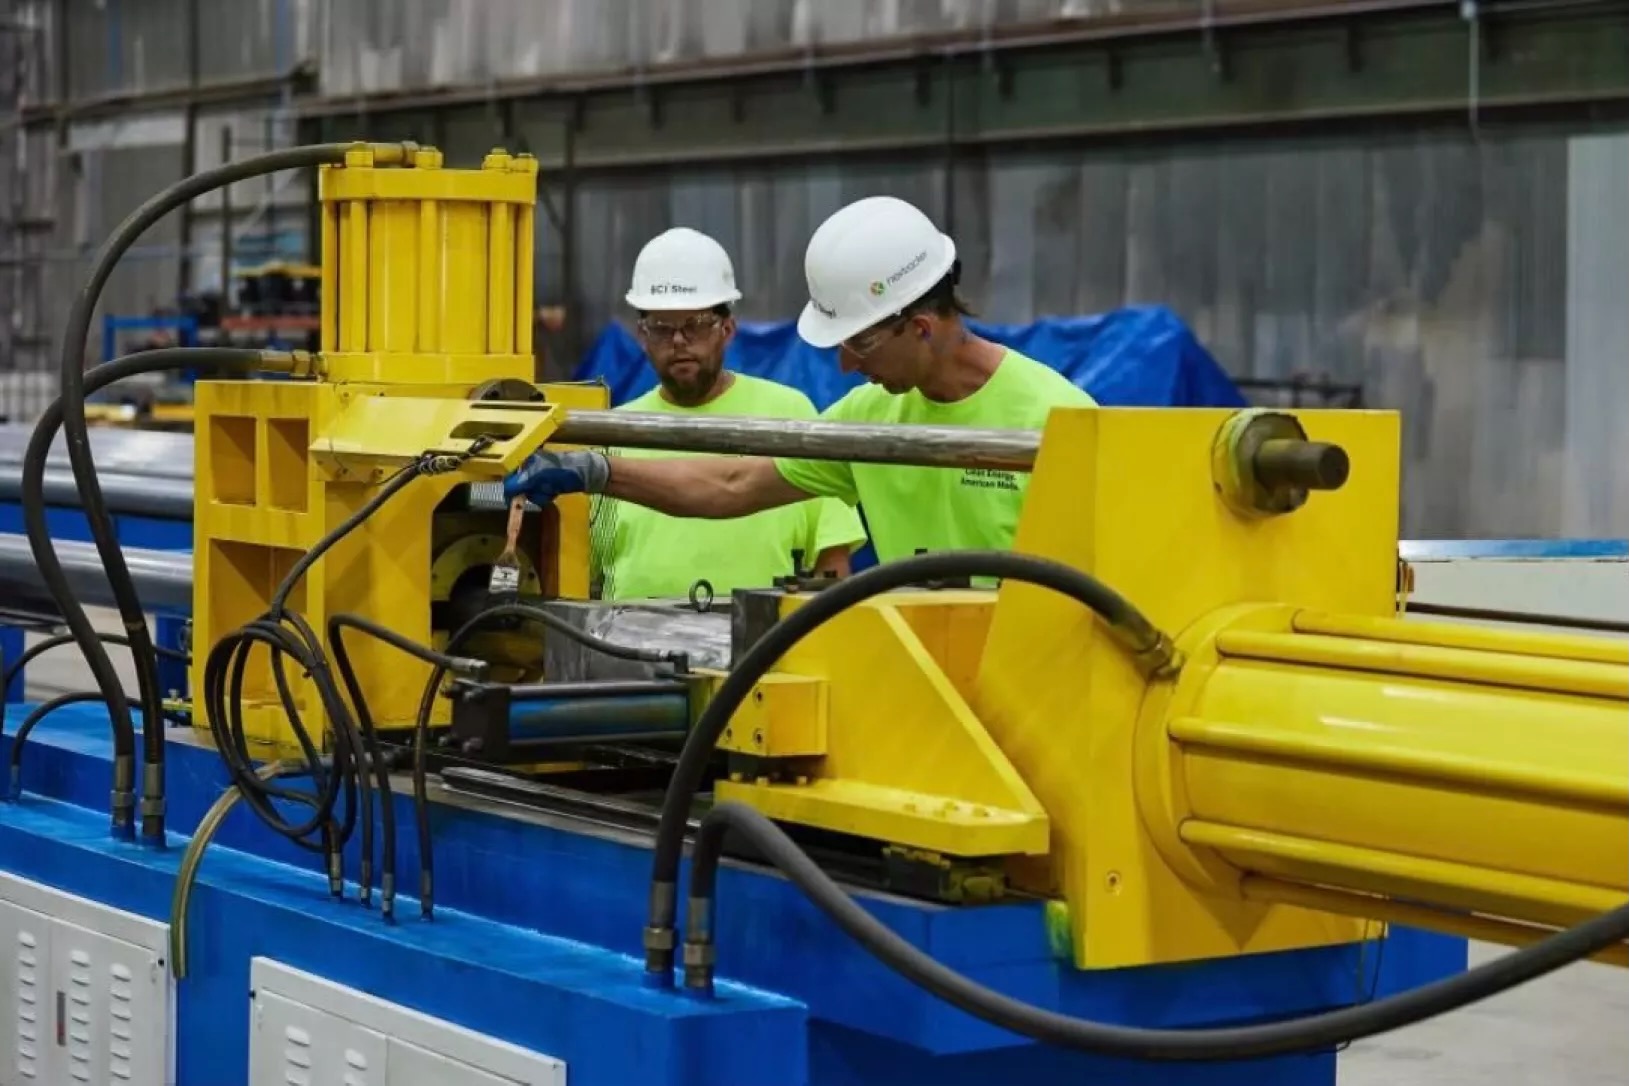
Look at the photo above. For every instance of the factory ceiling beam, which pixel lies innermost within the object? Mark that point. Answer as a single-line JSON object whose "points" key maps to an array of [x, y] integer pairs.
{"points": [[1265, 65]]}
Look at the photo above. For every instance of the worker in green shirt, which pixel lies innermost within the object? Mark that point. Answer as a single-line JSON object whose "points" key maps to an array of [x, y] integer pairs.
{"points": [[882, 289], [683, 288]]}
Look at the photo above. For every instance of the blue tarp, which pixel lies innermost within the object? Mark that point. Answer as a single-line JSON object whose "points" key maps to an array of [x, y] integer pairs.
{"points": [[1142, 356]]}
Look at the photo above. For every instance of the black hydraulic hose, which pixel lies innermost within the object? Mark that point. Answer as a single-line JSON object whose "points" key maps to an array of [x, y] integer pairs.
{"points": [[680, 661], [33, 652], [1311, 1033], [77, 432], [1151, 649], [421, 729], [217, 361], [287, 635], [37, 714], [1307, 1034], [342, 662]]}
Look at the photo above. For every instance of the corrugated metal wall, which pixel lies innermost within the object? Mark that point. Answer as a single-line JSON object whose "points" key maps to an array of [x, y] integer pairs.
{"points": [[1432, 268], [1474, 283], [384, 45]]}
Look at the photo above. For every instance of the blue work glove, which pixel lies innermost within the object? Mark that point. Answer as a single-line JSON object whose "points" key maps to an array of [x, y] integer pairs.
{"points": [[546, 475]]}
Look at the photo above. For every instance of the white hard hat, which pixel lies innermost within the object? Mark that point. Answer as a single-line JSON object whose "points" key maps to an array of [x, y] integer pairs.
{"points": [[682, 269], [868, 261]]}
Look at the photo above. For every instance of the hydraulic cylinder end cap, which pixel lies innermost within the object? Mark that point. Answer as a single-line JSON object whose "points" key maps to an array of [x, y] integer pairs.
{"points": [[1263, 464]]}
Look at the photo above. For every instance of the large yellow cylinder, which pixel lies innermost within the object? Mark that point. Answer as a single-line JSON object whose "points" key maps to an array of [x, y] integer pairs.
{"points": [[1484, 773], [427, 272]]}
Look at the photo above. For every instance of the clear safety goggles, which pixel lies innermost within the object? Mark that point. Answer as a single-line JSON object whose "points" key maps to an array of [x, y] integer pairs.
{"points": [[663, 330], [864, 343]]}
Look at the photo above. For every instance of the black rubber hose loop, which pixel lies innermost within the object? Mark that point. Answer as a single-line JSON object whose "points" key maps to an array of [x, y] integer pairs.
{"points": [[1307, 1034], [211, 360], [1128, 625]]}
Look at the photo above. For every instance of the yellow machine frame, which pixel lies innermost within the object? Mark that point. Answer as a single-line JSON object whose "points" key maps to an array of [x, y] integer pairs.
{"points": [[1315, 759], [426, 302], [1305, 758]]}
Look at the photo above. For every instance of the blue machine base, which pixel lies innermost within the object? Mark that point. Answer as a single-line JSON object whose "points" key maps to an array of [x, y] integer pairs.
{"points": [[536, 936]]}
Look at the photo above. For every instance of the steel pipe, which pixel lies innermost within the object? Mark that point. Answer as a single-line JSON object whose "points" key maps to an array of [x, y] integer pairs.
{"points": [[158, 496], [169, 456], [163, 578], [919, 446]]}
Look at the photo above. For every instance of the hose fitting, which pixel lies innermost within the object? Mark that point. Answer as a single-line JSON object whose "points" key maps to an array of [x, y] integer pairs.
{"points": [[699, 952], [123, 803], [152, 800], [659, 934]]}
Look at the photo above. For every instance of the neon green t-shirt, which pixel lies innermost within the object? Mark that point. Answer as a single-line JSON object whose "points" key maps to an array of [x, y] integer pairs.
{"points": [[640, 553], [940, 509]]}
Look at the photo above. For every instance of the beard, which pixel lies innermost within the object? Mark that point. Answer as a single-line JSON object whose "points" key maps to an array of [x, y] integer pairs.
{"points": [[690, 382]]}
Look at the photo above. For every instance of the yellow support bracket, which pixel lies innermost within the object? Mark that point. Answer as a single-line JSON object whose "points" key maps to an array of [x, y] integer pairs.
{"points": [[894, 752], [382, 432]]}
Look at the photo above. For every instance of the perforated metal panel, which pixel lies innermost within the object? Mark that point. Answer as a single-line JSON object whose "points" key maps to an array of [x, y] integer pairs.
{"points": [[292, 1044], [306, 1031], [85, 996], [26, 936]]}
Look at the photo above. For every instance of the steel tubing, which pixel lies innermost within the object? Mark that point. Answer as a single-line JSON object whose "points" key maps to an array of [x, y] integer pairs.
{"points": [[919, 446], [163, 578], [157, 496]]}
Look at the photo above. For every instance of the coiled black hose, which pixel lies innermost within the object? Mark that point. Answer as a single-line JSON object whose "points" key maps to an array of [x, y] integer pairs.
{"points": [[1311, 1033], [216, 361], [1149, 647], [288, 635], [442, 662], [77, 432], [504, 612]]}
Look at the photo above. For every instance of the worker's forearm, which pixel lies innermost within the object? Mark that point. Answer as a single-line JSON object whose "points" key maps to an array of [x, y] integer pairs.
{"points": [[702, 487]]}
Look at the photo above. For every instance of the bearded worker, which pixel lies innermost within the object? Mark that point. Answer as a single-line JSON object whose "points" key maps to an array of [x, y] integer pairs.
{"points": [[683, 290]]}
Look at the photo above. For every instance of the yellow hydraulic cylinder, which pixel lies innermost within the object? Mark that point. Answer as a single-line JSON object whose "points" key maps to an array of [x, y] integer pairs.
{"points": [[426, 335], [427, 272], [1476, 779]]}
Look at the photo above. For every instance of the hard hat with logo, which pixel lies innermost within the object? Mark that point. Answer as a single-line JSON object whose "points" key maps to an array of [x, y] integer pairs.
{"points": [[867, 262], [682, 269]]}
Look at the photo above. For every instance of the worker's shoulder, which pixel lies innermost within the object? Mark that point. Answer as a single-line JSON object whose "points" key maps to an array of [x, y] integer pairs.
{"points": [[865, 403], [1045, 382], [771, 397], [645, 401]]}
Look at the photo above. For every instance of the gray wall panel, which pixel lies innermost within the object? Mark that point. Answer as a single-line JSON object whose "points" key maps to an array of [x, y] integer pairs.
{"points": [[1596, 444], [382, 45], [1430, 267]]}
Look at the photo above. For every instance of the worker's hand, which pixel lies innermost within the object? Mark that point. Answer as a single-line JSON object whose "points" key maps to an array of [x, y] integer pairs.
{"points": [[546, 475]]}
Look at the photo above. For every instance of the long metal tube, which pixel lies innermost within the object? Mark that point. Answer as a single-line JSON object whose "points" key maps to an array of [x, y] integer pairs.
{"points": [[170, 455], [921, 446], [163, 578], [1390, 758], [157, 496]]}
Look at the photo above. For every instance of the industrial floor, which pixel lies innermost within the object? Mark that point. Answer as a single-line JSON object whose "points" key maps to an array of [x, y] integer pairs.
{"points": [[1568, 1029]]}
